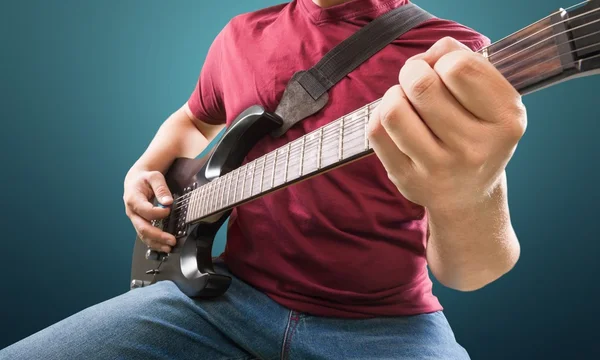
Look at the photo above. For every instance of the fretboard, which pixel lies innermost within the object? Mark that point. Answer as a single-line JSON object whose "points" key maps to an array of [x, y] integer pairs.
{"points": [[528, 59], [330, 146]]}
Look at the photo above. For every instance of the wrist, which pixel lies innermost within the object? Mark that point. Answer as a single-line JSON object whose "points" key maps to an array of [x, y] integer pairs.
{"points": [[474, 206]]}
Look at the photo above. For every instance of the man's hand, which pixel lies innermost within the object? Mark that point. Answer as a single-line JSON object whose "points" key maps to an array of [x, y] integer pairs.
{"points": [[447, 131], [445, 135], [139, 189]]}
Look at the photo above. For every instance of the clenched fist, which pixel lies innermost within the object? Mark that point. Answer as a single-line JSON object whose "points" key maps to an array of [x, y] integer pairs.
{"points": [[446, 133]]}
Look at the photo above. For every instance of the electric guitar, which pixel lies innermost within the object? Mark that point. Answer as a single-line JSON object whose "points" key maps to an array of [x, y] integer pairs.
{"points": [[560, 47]]}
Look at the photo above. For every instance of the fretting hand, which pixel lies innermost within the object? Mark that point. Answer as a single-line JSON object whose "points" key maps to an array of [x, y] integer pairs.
{"points": [[446, 133]]}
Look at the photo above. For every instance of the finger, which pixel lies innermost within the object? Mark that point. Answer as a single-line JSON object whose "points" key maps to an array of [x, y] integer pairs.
{"points": [[405, 128], [479, 87], [150, 235], [157, 182], [443, 114], [393, 159], [439, 49], [141, 206]]}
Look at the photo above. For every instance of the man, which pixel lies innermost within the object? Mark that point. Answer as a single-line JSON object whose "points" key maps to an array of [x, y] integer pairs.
{"points": [[334, 267]]}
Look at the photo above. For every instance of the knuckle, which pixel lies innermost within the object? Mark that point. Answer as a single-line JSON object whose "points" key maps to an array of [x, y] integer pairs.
{"points": [[161, 190], [422, 85], [374, 128], [144, 232], [465, 65], [447, 42], [135, 208], [474, 157], [514, 119], [151, 176], [388, 116]]}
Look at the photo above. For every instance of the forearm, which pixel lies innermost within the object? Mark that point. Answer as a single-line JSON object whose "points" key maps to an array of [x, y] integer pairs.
{"points": [[179, 136], [469, 248]]}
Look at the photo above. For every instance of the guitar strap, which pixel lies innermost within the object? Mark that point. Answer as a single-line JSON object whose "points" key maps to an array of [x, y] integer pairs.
{"points": [[306, 92]]}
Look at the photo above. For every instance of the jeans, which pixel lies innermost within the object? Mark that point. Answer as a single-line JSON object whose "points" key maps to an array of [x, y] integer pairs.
{"points": [[160, 322]]}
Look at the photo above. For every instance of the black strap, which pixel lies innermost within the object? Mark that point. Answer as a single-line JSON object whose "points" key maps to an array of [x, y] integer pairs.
{"points": [[306, 93]]}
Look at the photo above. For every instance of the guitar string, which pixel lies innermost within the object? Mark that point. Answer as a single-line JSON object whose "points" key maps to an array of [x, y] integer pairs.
{"points": [[549, 48], [569, 64], [514, 76], [182, 199], [544, 29], [551, 38], [530, 27]]}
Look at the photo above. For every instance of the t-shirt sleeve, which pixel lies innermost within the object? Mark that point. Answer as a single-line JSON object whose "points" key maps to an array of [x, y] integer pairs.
{"points": [[469, 37], [206, 101], [437, 28]]}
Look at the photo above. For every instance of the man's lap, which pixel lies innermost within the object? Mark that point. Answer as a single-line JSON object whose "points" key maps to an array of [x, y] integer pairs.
{"points": [[160, 322]]}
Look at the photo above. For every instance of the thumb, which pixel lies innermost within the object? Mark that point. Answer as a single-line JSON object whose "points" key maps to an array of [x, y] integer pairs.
{"points": [[159, 188]]}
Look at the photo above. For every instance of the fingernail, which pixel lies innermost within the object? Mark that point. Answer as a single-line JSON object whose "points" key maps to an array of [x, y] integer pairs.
{"points": [[166, 249], [165, 199]]}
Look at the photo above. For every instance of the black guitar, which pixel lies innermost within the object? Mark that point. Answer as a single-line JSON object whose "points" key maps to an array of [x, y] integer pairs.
{"points": [[560, 47]]}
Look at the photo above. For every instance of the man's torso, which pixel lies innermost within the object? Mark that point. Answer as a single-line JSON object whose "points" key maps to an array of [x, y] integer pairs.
{"points": [[344, 243]]}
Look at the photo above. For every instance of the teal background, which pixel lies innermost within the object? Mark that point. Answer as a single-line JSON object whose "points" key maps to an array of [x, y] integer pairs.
{"points": [[85, 84]]}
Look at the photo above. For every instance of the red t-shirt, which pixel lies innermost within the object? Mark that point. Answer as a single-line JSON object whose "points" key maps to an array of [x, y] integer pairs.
{"points": [[345, 243]]}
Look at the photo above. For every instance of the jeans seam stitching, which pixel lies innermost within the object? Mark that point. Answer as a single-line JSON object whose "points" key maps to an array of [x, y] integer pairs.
{"points": [[285, 335], [295, 319]]}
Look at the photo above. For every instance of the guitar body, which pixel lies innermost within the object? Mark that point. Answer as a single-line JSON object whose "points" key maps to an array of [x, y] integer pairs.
{"points": [[189, 265]]}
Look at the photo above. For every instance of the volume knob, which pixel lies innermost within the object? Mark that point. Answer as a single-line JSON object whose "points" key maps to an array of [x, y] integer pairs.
{"points": [[155, 255], [135, 284]]}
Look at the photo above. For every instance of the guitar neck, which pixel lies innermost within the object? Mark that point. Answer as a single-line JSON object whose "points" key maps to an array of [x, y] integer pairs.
{"points": [[543, 54], [333, 145]]}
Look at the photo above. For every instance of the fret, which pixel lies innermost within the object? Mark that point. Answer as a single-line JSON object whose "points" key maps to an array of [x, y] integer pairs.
{"points": [[273, 175], [222, 201], [195, 210], [218, 186], [287, 162], [294, 161], [213, 197], [283, 154], [231, 196], [226, 180], [320, 148], [529, 53], [353, 141], [267, 172], [237, 184], [243, 183], [191, 204], [201, 201], [329, 144], [251, 167], [366, 121], [341, 139], [302, 155], [311, 151], [253, 176], [228, 187], [262, 173], [205, 197]]}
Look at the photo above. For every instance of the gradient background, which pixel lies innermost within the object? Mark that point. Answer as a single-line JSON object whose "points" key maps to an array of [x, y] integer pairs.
{"points": [[85, 84]]}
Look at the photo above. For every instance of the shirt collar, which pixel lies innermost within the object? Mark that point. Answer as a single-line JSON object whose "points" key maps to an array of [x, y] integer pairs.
{"points": [[347, 10]]}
